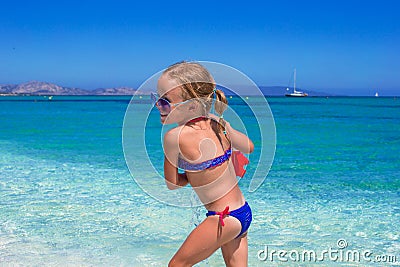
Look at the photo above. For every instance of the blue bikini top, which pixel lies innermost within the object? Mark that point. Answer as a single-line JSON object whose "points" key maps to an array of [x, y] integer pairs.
{"points": [[183, 164]]}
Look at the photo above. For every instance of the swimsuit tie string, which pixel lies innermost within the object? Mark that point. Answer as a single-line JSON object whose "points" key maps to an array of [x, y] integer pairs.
{"points": [[223, 214]]}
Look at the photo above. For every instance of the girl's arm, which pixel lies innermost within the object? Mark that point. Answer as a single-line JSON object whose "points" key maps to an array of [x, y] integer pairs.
{"points": [[173, 179], [239, 140]]}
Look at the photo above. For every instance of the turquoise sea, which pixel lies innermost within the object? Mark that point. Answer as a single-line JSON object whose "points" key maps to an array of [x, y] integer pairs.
{"points": [[67, 197]]}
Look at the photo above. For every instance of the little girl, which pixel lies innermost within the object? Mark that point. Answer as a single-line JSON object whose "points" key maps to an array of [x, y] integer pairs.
{"points": [[202, 145]]}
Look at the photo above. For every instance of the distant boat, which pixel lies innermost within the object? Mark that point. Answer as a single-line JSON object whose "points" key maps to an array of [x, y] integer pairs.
{"points": [[376, 94], [295, 93]]}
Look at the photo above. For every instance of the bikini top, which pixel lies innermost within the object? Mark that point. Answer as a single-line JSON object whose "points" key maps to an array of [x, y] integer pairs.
{"points": [[183, 164]]}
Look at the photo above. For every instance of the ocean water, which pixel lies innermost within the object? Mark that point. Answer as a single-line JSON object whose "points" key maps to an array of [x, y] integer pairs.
{"points": [[68, 198]]}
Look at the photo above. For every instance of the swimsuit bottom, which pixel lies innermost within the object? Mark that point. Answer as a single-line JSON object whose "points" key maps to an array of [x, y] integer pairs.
{"points": [[243, 214]]}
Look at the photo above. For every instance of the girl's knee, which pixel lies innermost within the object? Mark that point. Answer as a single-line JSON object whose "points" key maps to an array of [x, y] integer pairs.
{"points": [[178, 262]]}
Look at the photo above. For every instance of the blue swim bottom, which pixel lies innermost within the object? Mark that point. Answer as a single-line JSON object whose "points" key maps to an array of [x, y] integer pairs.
{"points": [[243, 214]]}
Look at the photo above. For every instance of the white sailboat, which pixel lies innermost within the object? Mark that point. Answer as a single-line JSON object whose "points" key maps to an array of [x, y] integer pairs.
{"points": [[295, 93]]}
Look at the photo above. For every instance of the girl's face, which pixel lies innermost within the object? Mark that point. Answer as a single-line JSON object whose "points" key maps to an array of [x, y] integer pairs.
{"points": [[170, 91]]}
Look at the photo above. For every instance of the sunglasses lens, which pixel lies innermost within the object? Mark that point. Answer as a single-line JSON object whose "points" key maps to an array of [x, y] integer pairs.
{"points": [[161, 103], [164, 105]]}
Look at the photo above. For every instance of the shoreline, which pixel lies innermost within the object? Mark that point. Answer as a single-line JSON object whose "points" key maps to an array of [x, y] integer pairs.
{"points": [[229, 96]]}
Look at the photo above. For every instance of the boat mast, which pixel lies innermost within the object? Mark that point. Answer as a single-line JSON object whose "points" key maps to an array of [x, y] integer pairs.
{"points": [[294, 85]]}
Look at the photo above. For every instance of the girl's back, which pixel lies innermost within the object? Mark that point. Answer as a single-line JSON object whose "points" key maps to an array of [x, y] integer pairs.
{"points": [[199, 143]]}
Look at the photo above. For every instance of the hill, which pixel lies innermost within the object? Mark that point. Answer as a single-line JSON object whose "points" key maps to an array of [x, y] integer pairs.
{"points": [[46, 88]]}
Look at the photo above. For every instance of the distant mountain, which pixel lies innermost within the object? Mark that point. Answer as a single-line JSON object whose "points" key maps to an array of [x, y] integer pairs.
{"points": [[45, 88], [114, 91], [7, 88]]}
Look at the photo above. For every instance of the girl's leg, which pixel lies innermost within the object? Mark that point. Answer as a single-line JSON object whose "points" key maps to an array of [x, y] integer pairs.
{"points": [[205, 239], [235, 252]]}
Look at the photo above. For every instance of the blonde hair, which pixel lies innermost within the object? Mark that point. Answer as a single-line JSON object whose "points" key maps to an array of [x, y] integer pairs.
{"points": [[197, 82]]}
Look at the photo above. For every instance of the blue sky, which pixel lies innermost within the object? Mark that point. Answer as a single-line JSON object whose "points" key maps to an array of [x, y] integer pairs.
{"points": [[346, 47]]}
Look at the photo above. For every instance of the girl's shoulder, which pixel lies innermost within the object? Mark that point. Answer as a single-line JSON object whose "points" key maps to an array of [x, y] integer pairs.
{"points": [[170, 135], [173, 135]]}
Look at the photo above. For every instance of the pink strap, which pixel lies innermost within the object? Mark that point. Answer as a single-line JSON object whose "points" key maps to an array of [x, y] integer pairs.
{"points": [[223, 214]]}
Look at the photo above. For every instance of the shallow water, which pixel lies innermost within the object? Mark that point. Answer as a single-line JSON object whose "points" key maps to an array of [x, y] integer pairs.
{"points": [[67, 197]]}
